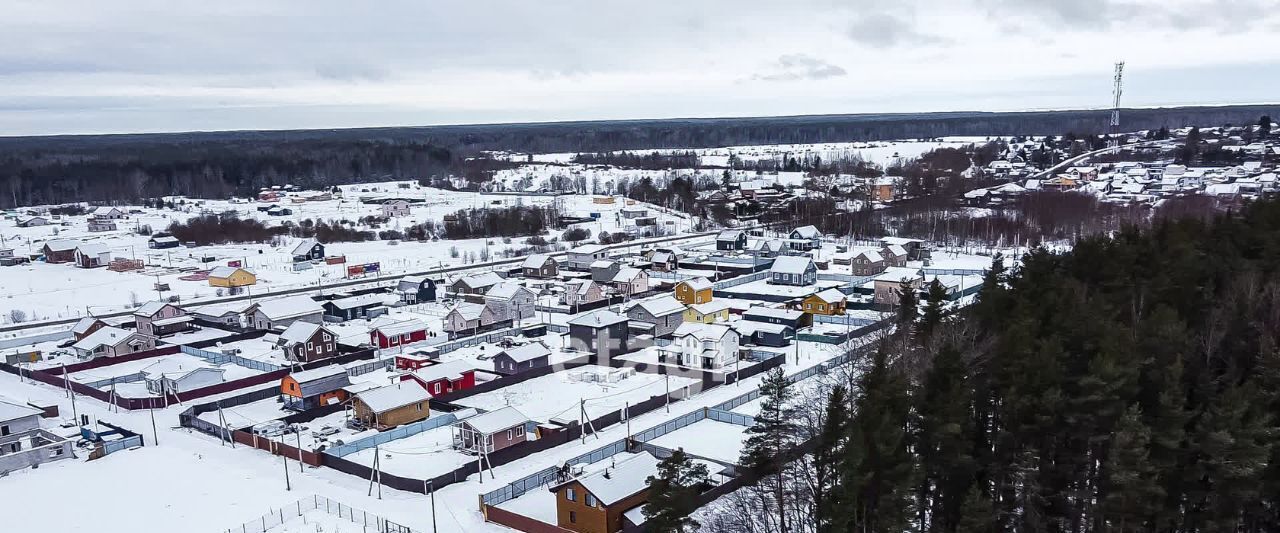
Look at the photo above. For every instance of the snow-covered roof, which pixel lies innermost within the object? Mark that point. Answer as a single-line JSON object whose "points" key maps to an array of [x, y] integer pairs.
{"points": [[13, 411], [172, 320], [872, 256], [107, 335], [165, 239], [484, 279], [400, 328], [226, 271], [897, 250], [498, 420], [791, 264], [624, 479], [304, 247], [92, 249], [598, 318], [807, 232], [175, 369], [527, 352], [505, 290], [388, 397], [62, 245], [661, 306], [106, 211], [702, 331], [83, 325], [468, 311], [450, 370], [896, 274], [299, 331], [714, 306], [729, 235], [590, 249], [149, 309], [900, 241], [831, 296], [626, 274], [775, 312], [636, 514], [324, 372], [535, 261], [698, 284], [748, 327], [363, 300], [289, 307], [602, 263]]}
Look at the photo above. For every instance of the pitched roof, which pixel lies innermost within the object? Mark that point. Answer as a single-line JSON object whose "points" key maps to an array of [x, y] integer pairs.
{"points": [[897, 250], [304, 247], [598, 318], [527, 352], [299, 331], [497, 420], [791, 264], [896, 274], [702, 331], [107, 335], [150, 308], [484, 279], [714, 306], [14, 411], [774, 312], [589, 249], [289, 307], [807, 232], [92, 249], [393, 329], [831, 296], [305, 376], [661, 306], [468, 310], [388, 397], [872, 256], [62, 245], [536, 261], [226, 271], [729, 235], [626, 478], [505, 291], [84, 324], [626, 274], [698, 284], [450, 370], [363, 300]]}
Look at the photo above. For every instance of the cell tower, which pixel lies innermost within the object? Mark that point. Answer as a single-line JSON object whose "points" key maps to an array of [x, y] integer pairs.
{"points": [[1115, 103]]}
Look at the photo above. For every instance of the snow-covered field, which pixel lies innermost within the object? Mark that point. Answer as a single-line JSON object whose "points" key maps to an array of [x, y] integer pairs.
{"points": [[557, 395]]}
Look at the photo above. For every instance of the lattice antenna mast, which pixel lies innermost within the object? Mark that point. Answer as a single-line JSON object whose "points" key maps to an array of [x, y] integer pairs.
{"points": [[1116, 91]]}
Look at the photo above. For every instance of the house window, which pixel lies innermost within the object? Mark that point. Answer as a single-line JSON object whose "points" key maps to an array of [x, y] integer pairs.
{"points": [[4, 430], [309, 346], [511, 434], [591, 500], [437, 388], [419, 406], [573, 517], [570, 495], [519, 431]]}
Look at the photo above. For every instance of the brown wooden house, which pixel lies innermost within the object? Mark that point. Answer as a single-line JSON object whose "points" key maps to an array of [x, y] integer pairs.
{"points": [[596, 502], [392, 405]]}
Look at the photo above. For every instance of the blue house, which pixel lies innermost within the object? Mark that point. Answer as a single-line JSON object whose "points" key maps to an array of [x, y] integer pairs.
{"points": [[793, 270]]}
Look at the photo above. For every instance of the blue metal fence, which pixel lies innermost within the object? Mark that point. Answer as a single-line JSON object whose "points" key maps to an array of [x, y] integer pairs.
{"points": [[401, 432], [219, 358]]}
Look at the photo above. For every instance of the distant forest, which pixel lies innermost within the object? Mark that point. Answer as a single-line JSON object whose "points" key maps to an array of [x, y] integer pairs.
{"points": [[56, 169]]}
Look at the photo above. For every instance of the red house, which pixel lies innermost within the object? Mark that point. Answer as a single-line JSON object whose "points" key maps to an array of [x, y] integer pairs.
{"points": [[398, 333], [443, 378], [417, 359]]}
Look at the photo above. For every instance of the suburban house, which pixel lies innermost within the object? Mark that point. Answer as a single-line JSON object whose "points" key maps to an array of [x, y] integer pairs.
{"points": [[793, 270], [596, 502], [804, 239], [894, 256], [98, 226], [160, 242], [86, 326], [111, 341], [580, 258], [173, 377], [630, 281], [706, 346], [108, 213], [581, 292], [92, 255], [868, 263], [773, 315], [523, 358], [23, 444], [395, 208], [666, 259], [229, 276], [282, 312], [492, 431], [694, 291], [882, 191], [765, 247], [307, 250], [661, 315], [419, 358], [510, 301], [160, 318], [731, 240], [888, 284], [714, 311], [309, 389], [278, 211], [416, 289], [400, 333], [60, 250], [603, 334], [305, 342], [388, 406], [915, 248], [826, 302], [443, 378], [540, 266], [31, 222], [352, 307], [467, 316], [604, 270], [764, 333], [475, 284]]}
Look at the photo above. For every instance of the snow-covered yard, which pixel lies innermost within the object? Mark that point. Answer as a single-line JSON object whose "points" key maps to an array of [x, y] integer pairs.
{"points": [[557, 395]]}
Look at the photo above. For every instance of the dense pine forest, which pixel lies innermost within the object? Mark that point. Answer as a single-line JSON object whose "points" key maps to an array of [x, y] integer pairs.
{"points": [[1130, 384]]}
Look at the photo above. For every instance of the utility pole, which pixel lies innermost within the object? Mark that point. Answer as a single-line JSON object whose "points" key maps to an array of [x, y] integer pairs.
{"points": [[298, 434], [285, 458], [155, 435], [431, 489]]}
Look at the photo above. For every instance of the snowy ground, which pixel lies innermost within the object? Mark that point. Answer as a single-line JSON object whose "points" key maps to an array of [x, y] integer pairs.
{"points": [[710, 439], [422, 456], [557, 395]]}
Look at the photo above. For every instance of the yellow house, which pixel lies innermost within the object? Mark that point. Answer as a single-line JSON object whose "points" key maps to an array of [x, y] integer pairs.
{"points": [[828, 302], [226, 276], [694, 291], [707, 313]]}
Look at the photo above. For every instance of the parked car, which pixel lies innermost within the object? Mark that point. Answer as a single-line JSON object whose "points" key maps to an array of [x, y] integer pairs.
{"points": [[325, 431], [271, 429]]}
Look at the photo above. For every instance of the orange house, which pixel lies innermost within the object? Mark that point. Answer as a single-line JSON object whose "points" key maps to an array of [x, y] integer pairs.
{"points": [[597, 502], [309, 389], [694, 291], [828, 302]]}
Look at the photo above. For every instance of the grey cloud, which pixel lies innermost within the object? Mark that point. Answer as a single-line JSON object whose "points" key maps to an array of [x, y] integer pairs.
{"points": [[351, 72], [790, 67], [884, 30]]}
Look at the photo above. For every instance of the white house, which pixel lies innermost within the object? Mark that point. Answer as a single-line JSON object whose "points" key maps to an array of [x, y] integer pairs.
{"points": [[171, 376], [580, 258], [395, 208], [707, 346]]}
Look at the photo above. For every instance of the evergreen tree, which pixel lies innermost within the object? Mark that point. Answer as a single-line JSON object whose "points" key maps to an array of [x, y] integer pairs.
{"points": [[977, 515], [774, 435], [673, 494], [1264, 126], [943, 440], [934, 309], [908, 309], [828, 457], [887, 470], [1133, 494]]}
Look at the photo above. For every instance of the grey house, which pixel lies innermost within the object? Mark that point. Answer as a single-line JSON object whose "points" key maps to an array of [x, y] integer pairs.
{"points": [[281, 312], [731, 240], [601, 333], [521, 359], [793, 270], [665, 313], [603, 271], [308, 250], [23, 444], [416, 289]]}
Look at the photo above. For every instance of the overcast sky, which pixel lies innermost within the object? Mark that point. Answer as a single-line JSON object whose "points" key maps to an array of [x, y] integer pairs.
{"points": [[93, 66]]}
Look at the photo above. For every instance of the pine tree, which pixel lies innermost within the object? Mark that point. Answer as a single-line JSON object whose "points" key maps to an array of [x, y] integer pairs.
{"points": [[887, 471], [1133, 494], [673, 494], [908, 309], [943, 436], [977, 515], [828, 456], [934, 310], [773, 436]]}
